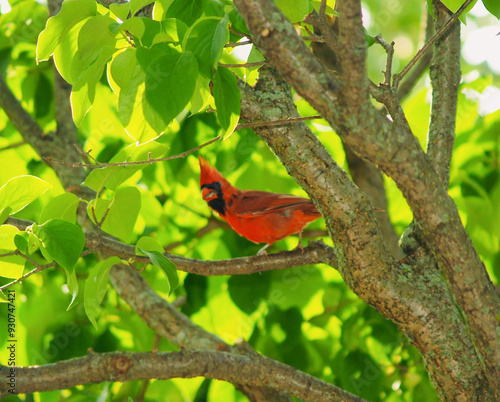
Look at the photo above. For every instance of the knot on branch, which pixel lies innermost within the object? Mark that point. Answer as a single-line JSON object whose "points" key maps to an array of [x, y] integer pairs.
{"points": [[121, 364]]}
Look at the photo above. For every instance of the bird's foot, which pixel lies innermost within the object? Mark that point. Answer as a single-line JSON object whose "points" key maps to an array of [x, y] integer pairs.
{"points": [[263, 251], [299, 246]]}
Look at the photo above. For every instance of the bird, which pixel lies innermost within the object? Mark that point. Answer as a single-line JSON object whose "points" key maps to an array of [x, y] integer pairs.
{"points": [[259, 216]]}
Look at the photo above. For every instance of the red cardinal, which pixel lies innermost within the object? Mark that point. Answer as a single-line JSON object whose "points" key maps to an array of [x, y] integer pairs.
{"points": [[259, 216]]}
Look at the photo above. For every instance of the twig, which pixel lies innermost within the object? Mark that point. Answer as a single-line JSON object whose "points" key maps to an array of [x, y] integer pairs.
{"points": [[389, 48], [235, 44], [398, 77], [416, 72], [12, 146], [236, 32], [255, 64], [85, 154], [308, 30], [322, 24], [99, 222], [186, 153], [39, 267], [152, 160]]}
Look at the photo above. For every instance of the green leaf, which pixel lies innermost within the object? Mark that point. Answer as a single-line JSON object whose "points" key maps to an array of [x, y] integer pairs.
{"points": [[254, 57], [82, 49], [95, 287], [221, 37], [61, 240], [23, 23], [454, 5], [430, 8], [122, 11], [143, 29], [33, 243], [4, 214], [174, 29], [64, 207], [167, 266], [170, 73], [21, 241], [64, 54], [113, 176], [140, 119], [96, 209], [122, 215], [44, 96], [72, 12], [330, 7], [3, 298], [160, 9], [96, 45], [99, 178], [201, 95], [227, 100], [136, 5], [247, 291], [148, 243], [21, 191], [188, 11], [370, 40], [295, 10], [10, 266], [493, 6], [237, 22], [206, 40], [72, 284]]}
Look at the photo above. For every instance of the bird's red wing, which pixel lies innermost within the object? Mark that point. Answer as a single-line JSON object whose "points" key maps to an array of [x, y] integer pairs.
{"points": [[255, 203]]}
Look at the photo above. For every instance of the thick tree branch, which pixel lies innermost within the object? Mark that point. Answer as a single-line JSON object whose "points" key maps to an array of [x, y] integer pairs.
{"points": [[445, 77], [253, 370], [315, 253], [366, 176], [397, 152], [426, 318], [353, 51], [369, 179]]}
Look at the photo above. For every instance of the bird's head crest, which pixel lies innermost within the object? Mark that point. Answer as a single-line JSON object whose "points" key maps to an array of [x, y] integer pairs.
{"points": [[209, 174]]}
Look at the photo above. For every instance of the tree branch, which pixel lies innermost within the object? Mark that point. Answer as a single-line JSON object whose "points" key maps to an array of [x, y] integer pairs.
{"points": [[365, 175], [371, 180], [445, 78], [430, 314], [253, 370], [315, 253], [353, 51], [397, 152], [440, 32], [416, 72]]}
